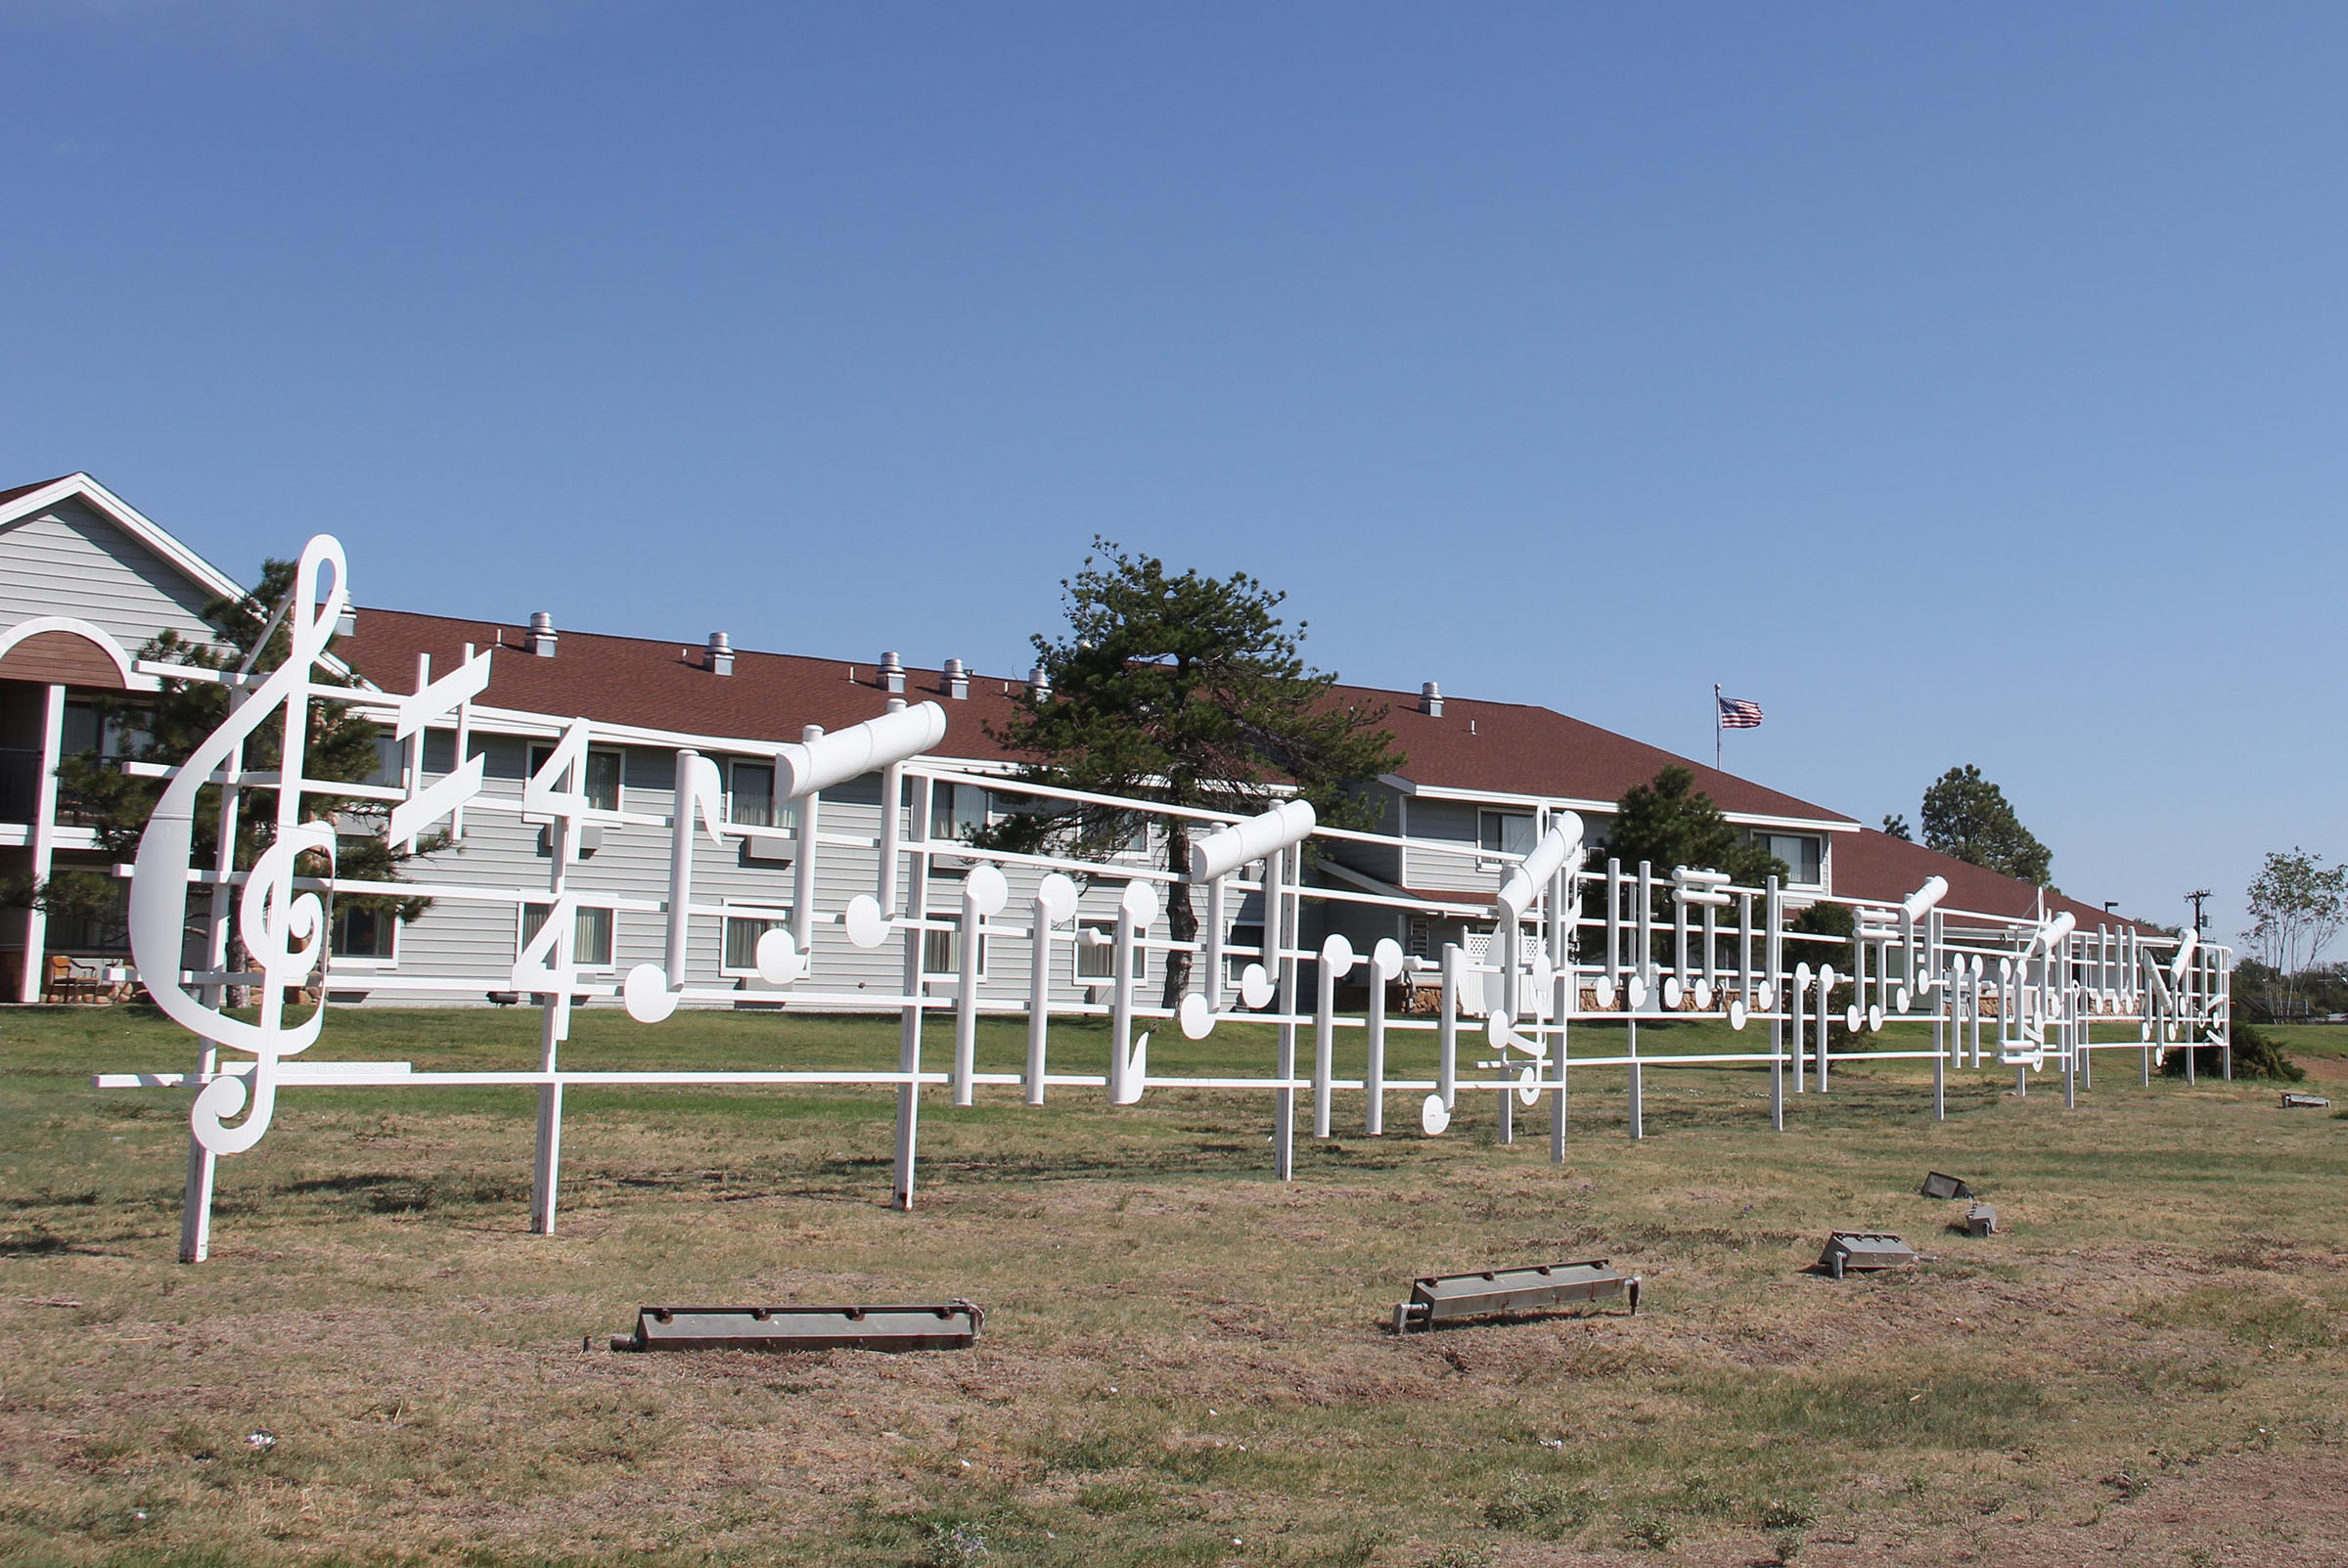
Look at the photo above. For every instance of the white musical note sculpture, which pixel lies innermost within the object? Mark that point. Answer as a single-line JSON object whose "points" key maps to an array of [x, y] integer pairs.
{"points": [[1522, 954]]}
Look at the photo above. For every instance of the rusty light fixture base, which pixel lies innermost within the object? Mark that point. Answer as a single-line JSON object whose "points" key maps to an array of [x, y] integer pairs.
{"points": [[1457, 1297], [944, 1325], [1864, 1252]]}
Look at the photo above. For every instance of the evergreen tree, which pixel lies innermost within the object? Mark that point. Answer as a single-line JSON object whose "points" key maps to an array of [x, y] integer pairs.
{"points": [[1190, 691], [1966, 816], [1669, 823]]}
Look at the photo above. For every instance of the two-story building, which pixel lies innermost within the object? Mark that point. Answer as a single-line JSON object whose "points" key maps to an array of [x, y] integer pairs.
{"points": [[85, 581]]}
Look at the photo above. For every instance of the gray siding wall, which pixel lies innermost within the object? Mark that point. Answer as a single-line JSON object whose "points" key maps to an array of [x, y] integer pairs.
{"points": [[68, 561], [478, 942], [1455, 821]]}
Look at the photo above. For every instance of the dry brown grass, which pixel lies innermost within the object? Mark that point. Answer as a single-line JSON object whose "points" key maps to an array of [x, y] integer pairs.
{"points": [[1184, 1362]]}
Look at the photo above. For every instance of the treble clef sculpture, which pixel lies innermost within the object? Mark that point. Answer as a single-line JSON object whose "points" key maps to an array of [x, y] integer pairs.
{"points": [[283, 931]]}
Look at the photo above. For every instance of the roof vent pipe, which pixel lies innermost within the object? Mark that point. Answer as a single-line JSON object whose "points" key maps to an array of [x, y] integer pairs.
{"points": [[1039, 684], [958, 680], [541, 638], [720, 654], [892, 673], [1431, 701]]}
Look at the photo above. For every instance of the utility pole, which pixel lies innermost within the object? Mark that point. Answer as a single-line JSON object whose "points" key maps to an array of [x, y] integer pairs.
{"points": [[2195, 899]]}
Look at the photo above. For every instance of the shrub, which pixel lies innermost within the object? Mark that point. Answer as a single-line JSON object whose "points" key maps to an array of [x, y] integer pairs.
{"points": [[2255, 1055]]}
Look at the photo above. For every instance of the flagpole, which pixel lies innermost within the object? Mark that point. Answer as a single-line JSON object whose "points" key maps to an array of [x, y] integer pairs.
{"points": [[1716, 726]]}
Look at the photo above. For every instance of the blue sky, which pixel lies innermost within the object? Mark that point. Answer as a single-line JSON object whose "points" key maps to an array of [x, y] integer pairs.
{"points": [[1965, 385]]}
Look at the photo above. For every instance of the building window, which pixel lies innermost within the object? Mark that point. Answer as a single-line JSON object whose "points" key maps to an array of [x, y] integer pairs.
{"points": [[366, 931], [1420, 941], [957, 811], [1235, 963], [942, 951], [120, 733], [1803, 855], [602, 784], [390, 768], [1096, 964], [591, 938], [750, 794], [743, 932], [1506, 832]]}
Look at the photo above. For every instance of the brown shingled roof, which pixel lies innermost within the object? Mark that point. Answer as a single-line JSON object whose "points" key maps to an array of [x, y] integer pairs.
{"points": [[6, 496], [1873, 865], [663, 686], [1519, 749], [1501, 748]]}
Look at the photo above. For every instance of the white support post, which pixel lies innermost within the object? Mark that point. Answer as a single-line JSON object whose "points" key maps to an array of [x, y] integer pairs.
{"points": [[808, 813], [1506, 933], [1447, 1027], [1277, 947], [1825, 1030], [1773, 911], [1613, 969], [1797, 996], [1324, 1041], [555, 1024], [1039, 995], [1645, 915], [1637, 1101], [1940, 1057], [43, 839], [1562, 912], [965, 998], [892, 835], [909, 1029], [195, 1207], [1210, 984]]}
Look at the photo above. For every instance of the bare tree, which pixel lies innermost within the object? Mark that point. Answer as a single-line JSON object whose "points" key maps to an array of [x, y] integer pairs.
{"points": [[2297, 905]]}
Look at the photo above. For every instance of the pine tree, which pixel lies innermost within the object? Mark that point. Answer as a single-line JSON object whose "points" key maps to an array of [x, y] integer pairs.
{"points": [[1189, 690], [167, 726]]}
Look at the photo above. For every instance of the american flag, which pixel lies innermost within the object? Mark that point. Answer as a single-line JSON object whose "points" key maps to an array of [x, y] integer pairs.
{"points": [[1736, 713]]}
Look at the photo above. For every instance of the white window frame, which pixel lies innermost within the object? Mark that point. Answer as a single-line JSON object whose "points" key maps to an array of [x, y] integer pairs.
{"points": [[1793, 875], [539, 751], [775, 808], [610, 913], [946, 796], [767, 915], [1486, 860], [1078, 953], [952, 940]]}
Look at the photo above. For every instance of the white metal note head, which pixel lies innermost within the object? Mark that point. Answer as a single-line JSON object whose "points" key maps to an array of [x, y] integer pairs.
{"points": [[1056, 896], [867, 927], [1197, 1016], [647, 995], [986, 890], [780, 960]]}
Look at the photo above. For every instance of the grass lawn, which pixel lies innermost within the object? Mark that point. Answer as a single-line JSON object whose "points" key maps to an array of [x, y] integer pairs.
{"points": [[1184, 1362]]}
